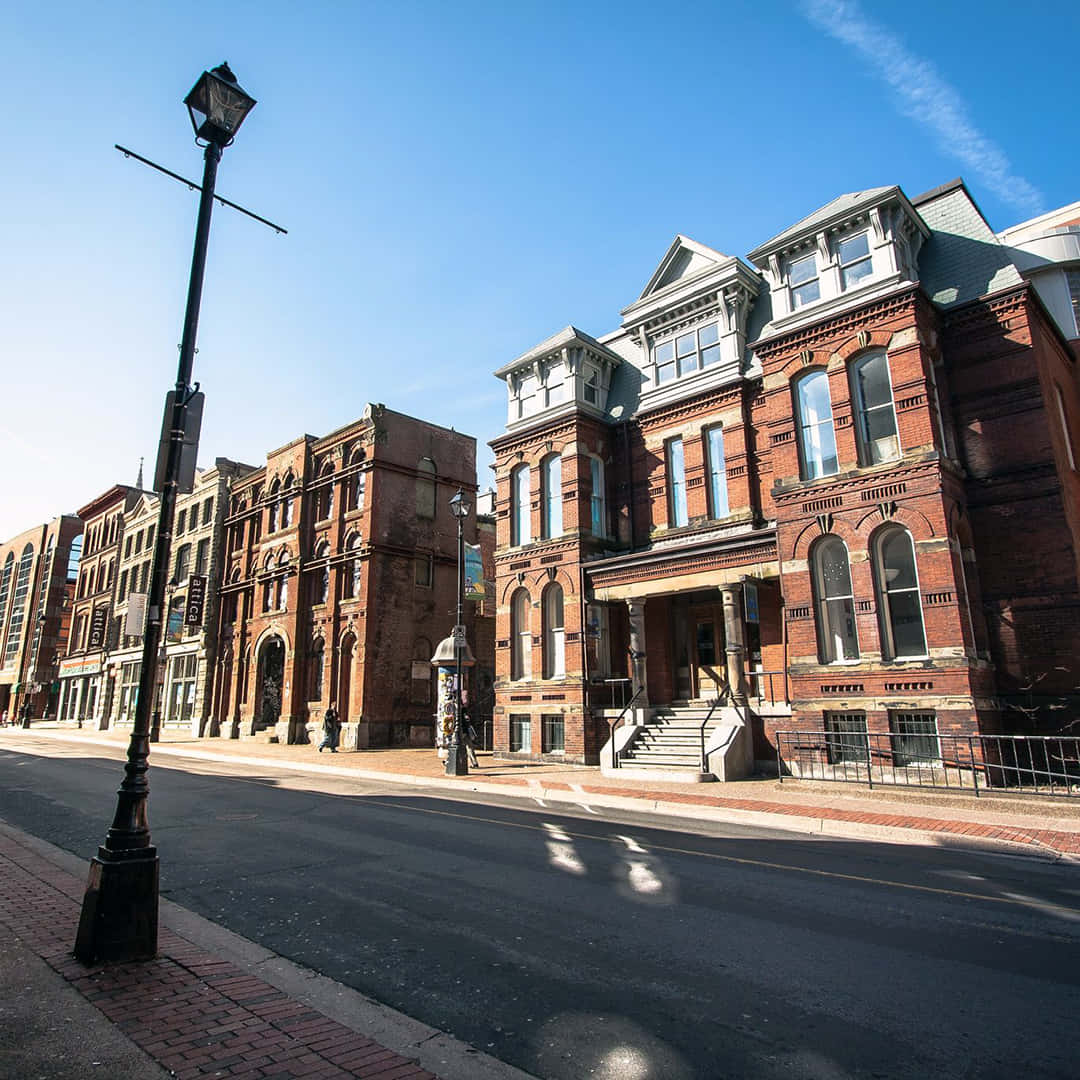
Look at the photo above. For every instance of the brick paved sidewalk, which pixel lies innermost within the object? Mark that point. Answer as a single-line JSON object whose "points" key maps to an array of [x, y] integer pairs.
{"points": [[192, 1012]]}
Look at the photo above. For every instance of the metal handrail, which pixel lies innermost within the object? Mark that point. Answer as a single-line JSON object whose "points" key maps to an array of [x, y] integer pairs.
{"points": [[723, 693], [757, 676], [618, 720]]}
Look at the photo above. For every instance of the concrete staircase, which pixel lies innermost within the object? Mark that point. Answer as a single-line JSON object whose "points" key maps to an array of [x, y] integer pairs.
{"points": [[669, 746]]}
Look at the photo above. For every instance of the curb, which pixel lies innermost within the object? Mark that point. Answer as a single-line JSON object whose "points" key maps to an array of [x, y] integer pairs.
{"points": [[809, 823]]}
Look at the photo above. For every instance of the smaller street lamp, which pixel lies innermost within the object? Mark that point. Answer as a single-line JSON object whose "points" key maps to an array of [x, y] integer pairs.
{"points": [[217, 106], [457, 760]]}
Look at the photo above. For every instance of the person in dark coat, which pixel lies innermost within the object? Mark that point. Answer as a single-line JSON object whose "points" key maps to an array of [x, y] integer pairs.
{"points": [[469, 732], [331, 726]]}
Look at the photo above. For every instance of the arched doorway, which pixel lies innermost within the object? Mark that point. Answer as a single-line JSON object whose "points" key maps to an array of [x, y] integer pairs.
{"points": [[271, 677], [348, 646]]}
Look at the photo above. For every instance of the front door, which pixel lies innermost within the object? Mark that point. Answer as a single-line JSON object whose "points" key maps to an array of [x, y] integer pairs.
{"points": [[708, 654]]}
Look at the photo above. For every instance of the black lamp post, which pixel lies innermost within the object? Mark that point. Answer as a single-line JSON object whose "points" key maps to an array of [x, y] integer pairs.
{"points": [[162, 656], [119, 918], [457, 759]]}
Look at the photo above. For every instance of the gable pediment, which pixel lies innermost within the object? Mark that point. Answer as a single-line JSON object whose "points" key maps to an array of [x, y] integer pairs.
{"points": [[685, 259]]}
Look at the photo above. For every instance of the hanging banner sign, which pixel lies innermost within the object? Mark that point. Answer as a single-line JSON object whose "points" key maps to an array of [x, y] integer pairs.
{"points": [[99, 622], [474, 573], [750, 602], [196, 601], [135, 620]]}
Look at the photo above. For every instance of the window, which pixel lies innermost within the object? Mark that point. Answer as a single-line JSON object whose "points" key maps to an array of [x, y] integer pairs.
{"points": [[121, 592], [359, 490], [552, 733], [18, 604], [592, 387], [855, 262], [554, 636], [127, 548], [272, 521], [838, 637], [598, 500], [714, 452], [5, 589], [520, 636], [149, 539], [803, 280], [129, 691], [676, 483], [527, 391], [554, 390], [903, 633], [817, 440], [181, 521], [520, 532], [283, 582], [183, 564], [845, 738], [182, 688], [138, 541], [914, 740], [324, 497], [876, 427], [425, 488], [202, 556], [551, 481], [316, 670], [422, 571], [599, 640], [686, 353], [520, 732], [286, 512], [207, 510], [352, 569]]}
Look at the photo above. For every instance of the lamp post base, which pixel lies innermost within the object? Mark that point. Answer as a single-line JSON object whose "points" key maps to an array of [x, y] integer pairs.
{"points": [[457, 760], [119, 919]]}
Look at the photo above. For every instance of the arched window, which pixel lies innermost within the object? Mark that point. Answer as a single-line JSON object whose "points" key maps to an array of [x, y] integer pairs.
{"points": [[520, 532], [838, 636], [286, 501], [316, 670], [871, 388], [520, 636], [283, 582], [554, 638], [272, 522], [322, 576], [902, 631], [5, 590], [551, 482], [357, 483], [324, 499], [425, 488], [18, 604], [351, 584], [817, 440]]}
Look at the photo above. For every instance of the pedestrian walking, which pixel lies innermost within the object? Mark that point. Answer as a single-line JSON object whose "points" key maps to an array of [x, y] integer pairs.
{"points": [[25, 714], [469, 734], [331, 727], [3, 718]]}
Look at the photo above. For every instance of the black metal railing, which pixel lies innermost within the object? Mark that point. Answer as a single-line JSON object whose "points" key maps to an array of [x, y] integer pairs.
{"points": [[1027, 764], [618, 720], [764, 686]]}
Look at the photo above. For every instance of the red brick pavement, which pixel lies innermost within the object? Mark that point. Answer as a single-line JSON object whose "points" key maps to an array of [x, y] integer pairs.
{"points": [[1056, 840], [192, 1012]]}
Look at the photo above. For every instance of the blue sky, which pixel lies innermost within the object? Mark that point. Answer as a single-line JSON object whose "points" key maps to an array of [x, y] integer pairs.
{"points": [[459, 180]]}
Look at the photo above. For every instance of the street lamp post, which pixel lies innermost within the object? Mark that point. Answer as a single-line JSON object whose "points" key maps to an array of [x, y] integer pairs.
{"points": [[119, 919], [457, 760]]}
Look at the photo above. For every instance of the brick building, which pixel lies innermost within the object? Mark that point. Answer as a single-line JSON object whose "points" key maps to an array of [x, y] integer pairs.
{"points": [[36, 580], [838, 478], [82, 670], [340, 579], [188, 654]]}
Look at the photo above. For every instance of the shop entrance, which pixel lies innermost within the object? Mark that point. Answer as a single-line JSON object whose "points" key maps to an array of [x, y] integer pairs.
{"points": [[271, 676]]}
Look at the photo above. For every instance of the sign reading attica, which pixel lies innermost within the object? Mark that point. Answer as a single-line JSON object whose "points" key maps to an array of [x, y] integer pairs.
{"points": [[196, 600]]}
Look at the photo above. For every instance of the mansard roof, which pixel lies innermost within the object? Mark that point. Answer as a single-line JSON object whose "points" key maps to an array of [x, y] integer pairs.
{"points": [[568, 335], [834, 212]]}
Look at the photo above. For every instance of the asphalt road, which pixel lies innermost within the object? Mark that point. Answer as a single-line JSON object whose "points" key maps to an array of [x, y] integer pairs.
{"points": [[604, 944]]}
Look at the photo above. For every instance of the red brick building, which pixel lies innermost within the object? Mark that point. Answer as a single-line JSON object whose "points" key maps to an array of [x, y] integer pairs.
{"points": [[36, 578], [339, 580], [839, 478], [93, 629]]}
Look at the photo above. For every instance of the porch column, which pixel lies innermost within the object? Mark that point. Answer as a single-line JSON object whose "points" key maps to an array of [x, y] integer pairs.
{"points": [[733, 636], [636, 608]]}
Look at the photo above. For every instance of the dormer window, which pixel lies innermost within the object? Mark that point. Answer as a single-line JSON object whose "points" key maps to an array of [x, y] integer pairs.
{"points": [[555, 390], [853, 253], [592, 387], [803, 279], [527, 395], [688, 352]]}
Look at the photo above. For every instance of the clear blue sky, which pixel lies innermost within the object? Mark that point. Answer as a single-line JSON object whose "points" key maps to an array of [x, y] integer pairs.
{"points": [[459, 180]]}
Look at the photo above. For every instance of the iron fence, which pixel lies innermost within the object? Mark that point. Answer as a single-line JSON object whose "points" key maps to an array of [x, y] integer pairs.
{"points": [[844, 752]]}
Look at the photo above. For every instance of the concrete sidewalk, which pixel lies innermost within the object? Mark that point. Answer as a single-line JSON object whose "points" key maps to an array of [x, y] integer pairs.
{"points": [[211, 1004], [1047, 828]]}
